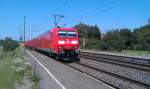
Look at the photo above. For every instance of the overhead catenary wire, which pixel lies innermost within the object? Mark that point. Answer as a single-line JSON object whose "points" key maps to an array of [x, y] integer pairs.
{"points": [[53, 13], [85, 12], [58, 7], [105, 9], [71, 6], [95, 9], [68, 6], [65, 6]]}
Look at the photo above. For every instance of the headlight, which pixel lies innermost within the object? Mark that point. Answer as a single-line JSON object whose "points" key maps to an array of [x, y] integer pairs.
{"points": [[74, 42], [61, 42]]}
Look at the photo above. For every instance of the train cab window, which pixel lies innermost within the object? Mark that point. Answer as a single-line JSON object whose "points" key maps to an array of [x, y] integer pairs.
{"points": [[66, 33], [71, 34], [62, 33]]}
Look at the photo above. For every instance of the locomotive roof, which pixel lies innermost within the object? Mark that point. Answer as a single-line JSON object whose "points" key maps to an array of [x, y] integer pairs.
{"points": [[61, 29], [51, 30]]}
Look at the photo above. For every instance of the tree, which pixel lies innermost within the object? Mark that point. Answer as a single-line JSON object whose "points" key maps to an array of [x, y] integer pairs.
{"points": [[9, 44], [112, 39], [119, 39], [82, 30], [1, 42], [126, 38], [82, 33], [86, 31], [115, 40], [142, 38]]}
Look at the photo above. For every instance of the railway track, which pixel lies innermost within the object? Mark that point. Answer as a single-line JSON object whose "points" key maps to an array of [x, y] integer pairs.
{"points": [[119, 74], [116, 81], [113, 73], [118, 62], [43, 60], [119, 58]]}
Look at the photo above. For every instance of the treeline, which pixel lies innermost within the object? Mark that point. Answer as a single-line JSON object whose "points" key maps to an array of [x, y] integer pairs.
{"points": [[8, 44], [90, 37]]}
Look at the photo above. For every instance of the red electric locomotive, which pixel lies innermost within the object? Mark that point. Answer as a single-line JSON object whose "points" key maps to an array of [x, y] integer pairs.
{"points": [[60, 43]]}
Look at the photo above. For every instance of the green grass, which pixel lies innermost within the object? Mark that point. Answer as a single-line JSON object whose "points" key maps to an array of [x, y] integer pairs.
{"points": [[137, 53], [35, 85], [126, 52], [6, 73], [12, 72]]}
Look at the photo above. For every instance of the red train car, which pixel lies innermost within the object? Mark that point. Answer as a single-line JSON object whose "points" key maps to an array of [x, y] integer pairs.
{"points": [[61, 43]]}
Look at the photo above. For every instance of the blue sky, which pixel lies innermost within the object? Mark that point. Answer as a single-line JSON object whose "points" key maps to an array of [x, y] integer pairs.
{"points": [[107, 14]]}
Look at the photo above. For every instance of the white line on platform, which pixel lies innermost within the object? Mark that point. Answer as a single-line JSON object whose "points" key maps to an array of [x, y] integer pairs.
{"points": [[50, 74]]}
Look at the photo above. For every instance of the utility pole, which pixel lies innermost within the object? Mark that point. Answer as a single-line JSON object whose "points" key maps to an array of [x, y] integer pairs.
{"points": [[57, 19], [20, 33], [24, 28]]}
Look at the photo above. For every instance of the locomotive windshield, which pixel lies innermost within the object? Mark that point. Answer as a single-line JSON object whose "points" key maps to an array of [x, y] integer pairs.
{"points": [[66, 33], [62, 33]]}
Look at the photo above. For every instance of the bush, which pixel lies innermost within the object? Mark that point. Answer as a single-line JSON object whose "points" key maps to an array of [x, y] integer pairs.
{"points": [[9, 44], [91, 43], [103, 45]]}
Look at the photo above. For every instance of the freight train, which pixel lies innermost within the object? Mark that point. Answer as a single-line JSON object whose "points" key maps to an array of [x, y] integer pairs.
{"points": [[59, 43]]}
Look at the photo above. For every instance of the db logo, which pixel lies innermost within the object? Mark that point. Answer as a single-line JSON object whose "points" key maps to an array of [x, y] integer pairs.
{"points": [[67, 42]]}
